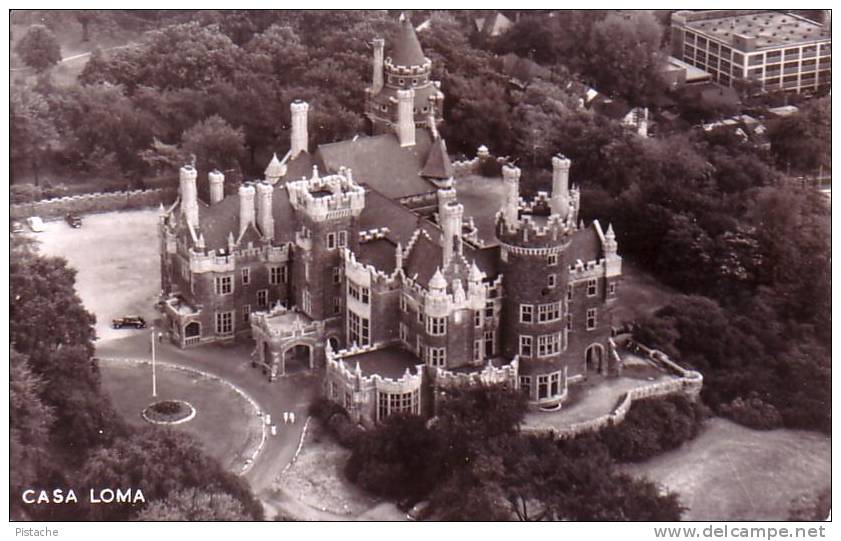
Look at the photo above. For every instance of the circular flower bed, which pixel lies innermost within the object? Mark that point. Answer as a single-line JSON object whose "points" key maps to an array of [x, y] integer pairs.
{"points": [[169, 412]]}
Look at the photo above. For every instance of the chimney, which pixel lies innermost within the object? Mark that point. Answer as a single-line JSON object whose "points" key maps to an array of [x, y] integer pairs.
{"points": [[217, 186], [377, 81], [189, 195], [406, 117], [450, 217], [559, 202], [511, 180], [246, 207], [299, 127], [265, 219]]}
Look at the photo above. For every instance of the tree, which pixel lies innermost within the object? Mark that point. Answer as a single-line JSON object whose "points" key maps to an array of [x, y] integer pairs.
{"points": [[801, 142], [38, 48], [32, 129], [192, 505], [215, 144]]}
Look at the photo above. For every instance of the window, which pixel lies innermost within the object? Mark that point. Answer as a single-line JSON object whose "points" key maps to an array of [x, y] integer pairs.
{"points": [[525, 385], [525, 346], [337, 275], [551, 280], [592, 287], [395, 403], [569, 292], [276, 275], [526, 313], [549, 312], [246, 276], [224, 285], [569, 322], [342, 239], [337, 305], [404, 305], [436, 326], [548, 344], [552, 260], [224, 323], [306, 272], [404, 332], [555, 384], [611, 288], [489, 309], [490, 339], [477, 350], [437, 356], [306, 302], [542, 387], [420, 315], [477, 318], [331, 241], [591, 319], [246, 313], [263, 298], [360, 293], [359, 331]]}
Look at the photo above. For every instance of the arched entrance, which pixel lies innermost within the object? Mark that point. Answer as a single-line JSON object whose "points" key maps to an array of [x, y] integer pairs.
{"points": [[297, 358], [192, 333], [594, 358]]}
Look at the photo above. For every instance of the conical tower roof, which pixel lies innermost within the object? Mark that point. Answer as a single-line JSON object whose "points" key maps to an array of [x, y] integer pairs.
{"points": [[275, 168], [407, 49], [438, 281], [438, 162]]}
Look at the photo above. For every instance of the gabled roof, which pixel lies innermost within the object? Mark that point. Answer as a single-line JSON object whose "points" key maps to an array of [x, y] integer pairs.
{"points": [[381, 163], [380, 211], [299, 166], [407, 50], [585, 245], [424, 258], [438, 162], [380, 253], [217, 221]]}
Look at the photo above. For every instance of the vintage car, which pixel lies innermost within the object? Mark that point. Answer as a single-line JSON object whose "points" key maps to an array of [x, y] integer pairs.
{"points": [[136, 322], [73, 220], [35, 224]]}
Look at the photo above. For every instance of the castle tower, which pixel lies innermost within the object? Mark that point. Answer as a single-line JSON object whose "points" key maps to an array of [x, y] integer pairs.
{"points": [[246, 207], [264, 209], [533, 251], [189, 195], [299, 137], [404, 68], [405, 117], [560, 186], [217, 186]]}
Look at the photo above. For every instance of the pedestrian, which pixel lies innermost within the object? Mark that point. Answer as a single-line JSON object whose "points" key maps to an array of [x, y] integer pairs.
{"points": [[285, 417], [292, 417]]}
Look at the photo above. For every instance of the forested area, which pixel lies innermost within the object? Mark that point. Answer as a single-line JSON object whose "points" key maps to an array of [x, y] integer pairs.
{"points": [[64, 433]]}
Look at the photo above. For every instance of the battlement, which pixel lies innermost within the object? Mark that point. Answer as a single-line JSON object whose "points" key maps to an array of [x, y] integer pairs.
{"points": [[533, 230], [395, 69], [280, 322], [337, 365], [364, 274], [488, 375], [329, 197]]}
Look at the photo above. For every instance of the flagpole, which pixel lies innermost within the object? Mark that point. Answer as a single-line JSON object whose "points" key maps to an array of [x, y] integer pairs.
{"points": [[154, 387]]}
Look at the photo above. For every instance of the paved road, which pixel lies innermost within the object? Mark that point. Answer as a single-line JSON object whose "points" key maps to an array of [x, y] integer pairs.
{"points": [[232, 363]]}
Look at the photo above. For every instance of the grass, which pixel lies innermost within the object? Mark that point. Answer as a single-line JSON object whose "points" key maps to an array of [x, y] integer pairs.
{"points": [[730, 472], [225, 423]]}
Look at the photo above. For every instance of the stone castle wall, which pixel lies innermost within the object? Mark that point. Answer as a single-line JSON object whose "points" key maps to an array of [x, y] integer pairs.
{"points": [[93, 203]]}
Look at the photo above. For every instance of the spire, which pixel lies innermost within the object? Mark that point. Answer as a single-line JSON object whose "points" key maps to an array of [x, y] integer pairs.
{"points": [[275, 169], [475, 274], [610, 234], [407, 49], [438, 281], [438, 163]]}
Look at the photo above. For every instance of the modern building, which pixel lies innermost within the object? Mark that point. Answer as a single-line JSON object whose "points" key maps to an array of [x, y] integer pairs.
{"points": [[357, 261], [773, 49]]}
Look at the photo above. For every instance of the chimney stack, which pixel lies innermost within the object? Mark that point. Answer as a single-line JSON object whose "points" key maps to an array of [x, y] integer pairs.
{"points": [[377, 80], [246, 207], [406, 117], [217, 186], [450, 217], [299, 128], [189, 195], [559, 202], [265, 219], [511, 180]]}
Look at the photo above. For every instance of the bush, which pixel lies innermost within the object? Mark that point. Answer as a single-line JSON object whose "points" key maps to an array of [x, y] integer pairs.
{"points": [[168, 407], [336, 421], [489, 167], [753, 412]]}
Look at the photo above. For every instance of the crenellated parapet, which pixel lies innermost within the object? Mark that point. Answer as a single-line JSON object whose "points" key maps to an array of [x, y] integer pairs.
{"points": [[281, 323], [342, 367], [364, 274], [488, 375], [327, 197]]}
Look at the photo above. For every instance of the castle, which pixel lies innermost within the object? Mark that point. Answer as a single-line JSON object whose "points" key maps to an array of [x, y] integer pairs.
{"points": [[357, 260]]}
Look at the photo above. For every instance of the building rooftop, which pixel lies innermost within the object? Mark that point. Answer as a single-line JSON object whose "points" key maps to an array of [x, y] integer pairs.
{"points": [[768, 28], [693, 74], [388, 362]]}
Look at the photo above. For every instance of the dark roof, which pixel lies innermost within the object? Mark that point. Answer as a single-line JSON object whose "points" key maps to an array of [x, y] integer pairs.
{"points": [[380, 211], [438, 162], [388, 362], [217, 221], [381, 163], [424, 258], [380, 253], [284, 215], [487, 259], [299, 166], [585, 245], [407, 49]]}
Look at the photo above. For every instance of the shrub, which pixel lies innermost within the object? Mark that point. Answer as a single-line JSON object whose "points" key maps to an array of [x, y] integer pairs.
{"points": [[753, 412], [167, 407]]}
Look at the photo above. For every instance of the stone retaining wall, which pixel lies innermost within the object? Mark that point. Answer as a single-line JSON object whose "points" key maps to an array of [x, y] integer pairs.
{"points": [[93, 202]]}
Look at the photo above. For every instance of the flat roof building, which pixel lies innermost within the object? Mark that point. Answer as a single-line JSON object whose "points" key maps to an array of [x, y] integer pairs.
{"points": [[777, 50]]}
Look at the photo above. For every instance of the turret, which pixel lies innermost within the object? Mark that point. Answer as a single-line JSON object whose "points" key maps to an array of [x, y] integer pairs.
{"points": [[217, 186], [377, 80], [511, 186], [450, 216], [610, 245], [475, 290], [246, 207], [299, 137], [406, 117], [189, 195], [274, 170], [559, 203], [265, 219]]}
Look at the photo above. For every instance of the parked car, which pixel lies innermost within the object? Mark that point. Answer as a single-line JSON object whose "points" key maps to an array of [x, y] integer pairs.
{"points": [[35, 224], [73, 220], [129, 321], [15, 226]]}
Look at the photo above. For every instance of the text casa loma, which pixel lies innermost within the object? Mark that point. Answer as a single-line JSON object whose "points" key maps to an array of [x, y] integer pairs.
{"points": [[100, 495]]}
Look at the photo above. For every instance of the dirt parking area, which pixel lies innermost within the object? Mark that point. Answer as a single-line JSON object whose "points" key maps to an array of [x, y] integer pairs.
{"points": [[116, 256]]}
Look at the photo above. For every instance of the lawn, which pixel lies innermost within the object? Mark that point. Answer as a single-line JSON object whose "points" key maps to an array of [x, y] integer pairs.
{"points": [[730, 472], [225, 424], [114, 278]]}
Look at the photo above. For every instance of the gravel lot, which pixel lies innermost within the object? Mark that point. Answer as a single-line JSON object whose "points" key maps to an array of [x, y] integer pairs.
{"points": [[116, 256]]}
